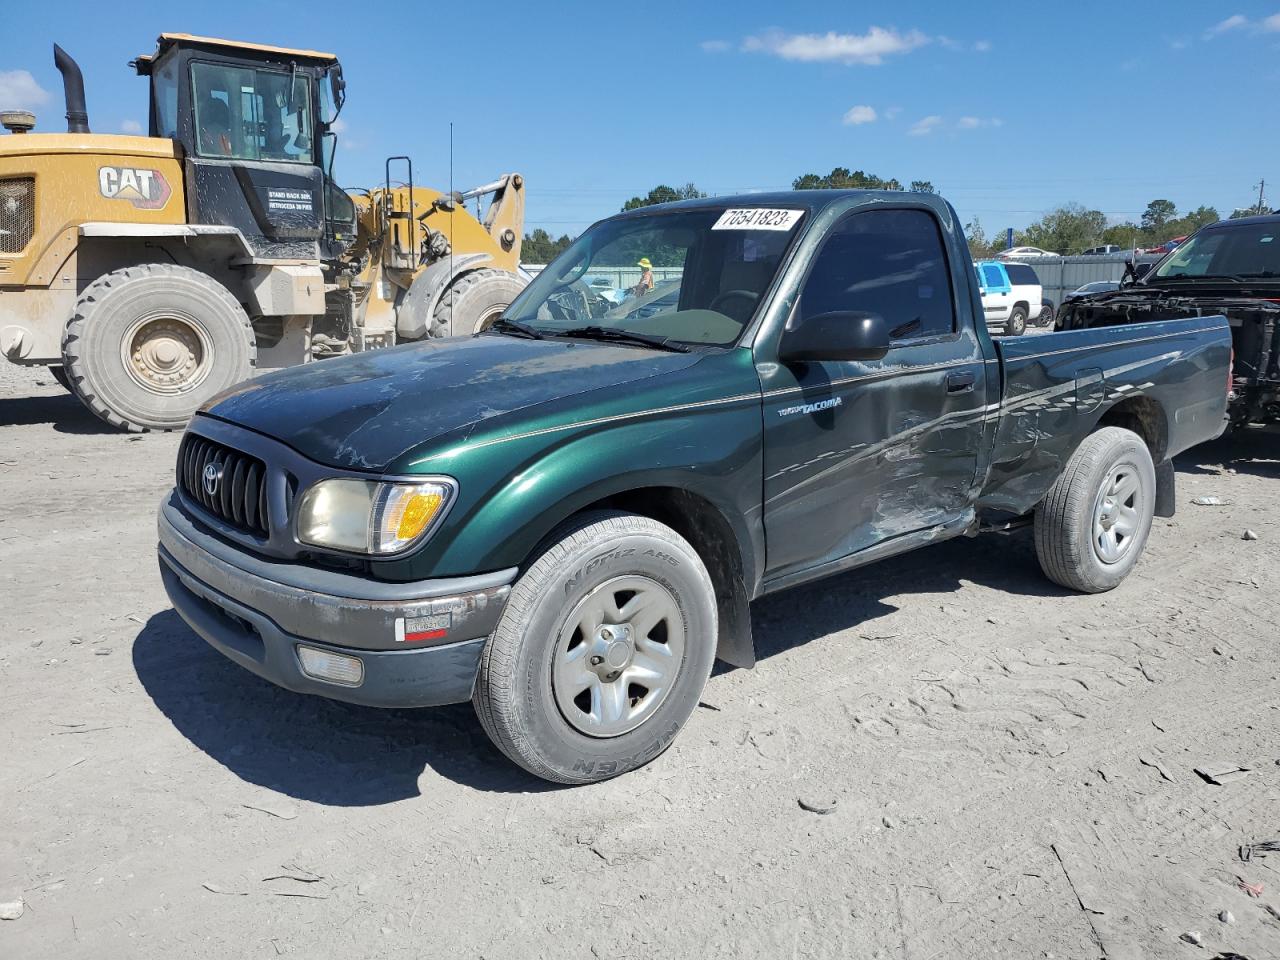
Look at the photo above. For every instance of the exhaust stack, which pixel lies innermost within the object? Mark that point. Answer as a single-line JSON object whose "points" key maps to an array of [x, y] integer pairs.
{"points": [[73, 90]]}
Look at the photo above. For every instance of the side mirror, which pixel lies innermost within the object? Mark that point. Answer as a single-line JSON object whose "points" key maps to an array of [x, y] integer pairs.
{"points": [[838, 335], [1141, 270], [337, 88]]}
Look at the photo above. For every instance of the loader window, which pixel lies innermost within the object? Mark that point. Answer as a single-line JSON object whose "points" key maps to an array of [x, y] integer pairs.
{"points": [[164, 92], [247, 114]]}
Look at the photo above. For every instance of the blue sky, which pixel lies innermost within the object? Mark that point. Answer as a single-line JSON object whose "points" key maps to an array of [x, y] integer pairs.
{"points": [[1009, 109]]}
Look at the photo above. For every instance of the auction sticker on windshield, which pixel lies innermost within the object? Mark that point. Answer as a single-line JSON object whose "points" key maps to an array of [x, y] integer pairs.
{"points": [[758, 218]]}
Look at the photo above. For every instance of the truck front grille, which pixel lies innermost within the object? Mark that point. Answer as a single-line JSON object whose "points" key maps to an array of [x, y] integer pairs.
{"points": [[229, 484], [17, 213]]}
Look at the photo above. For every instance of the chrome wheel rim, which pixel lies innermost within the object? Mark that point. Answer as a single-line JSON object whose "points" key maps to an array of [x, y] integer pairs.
{"points": [[618, 655], [1117, 514], [166, 354]]}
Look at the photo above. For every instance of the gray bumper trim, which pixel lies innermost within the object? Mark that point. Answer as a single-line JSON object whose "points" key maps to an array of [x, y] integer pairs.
{"points": [[397, 678]]}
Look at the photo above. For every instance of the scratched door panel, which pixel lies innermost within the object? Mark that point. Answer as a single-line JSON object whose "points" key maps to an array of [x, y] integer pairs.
{"points": [[861, 451]]}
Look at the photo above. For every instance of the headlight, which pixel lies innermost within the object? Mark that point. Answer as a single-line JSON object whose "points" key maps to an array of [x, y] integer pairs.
{"points": [[364, 516]]}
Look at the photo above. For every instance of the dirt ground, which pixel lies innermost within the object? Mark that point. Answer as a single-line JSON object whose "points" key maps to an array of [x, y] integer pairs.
{"points": [[1011, 767]]}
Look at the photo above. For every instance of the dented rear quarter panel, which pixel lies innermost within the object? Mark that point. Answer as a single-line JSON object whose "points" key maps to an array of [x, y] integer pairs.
{"points": [[1058, 387]]}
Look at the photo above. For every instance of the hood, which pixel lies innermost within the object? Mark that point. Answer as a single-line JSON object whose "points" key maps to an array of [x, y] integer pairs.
{"points": [[362, 412]]}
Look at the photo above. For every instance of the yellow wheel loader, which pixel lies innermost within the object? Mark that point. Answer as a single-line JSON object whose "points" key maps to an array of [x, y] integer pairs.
{"points": [[151, 273]]}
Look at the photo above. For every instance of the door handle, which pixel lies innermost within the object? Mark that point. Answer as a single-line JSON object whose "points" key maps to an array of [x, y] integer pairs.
{"points": [[960, 382]]}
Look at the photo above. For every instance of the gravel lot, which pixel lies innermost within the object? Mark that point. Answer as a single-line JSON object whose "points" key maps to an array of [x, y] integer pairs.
{"points": [[1011, 768]]}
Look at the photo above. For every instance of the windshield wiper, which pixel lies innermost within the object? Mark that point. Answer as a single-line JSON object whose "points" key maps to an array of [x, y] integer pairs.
{"points": [[613, 335], [517, 327]]}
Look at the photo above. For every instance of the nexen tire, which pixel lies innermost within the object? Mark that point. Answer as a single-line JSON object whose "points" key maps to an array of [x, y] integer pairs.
{"points": [[148, 345], [515, 697]]}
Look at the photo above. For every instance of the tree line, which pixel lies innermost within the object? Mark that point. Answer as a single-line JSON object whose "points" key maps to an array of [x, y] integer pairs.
{"points": [[1072, 229], [1068, 229]]}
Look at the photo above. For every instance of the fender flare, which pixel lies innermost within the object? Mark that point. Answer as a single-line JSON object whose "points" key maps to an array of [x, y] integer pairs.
{"points": [[413, 315]]}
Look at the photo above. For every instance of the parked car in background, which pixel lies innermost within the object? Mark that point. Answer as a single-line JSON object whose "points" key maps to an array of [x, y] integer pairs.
{"points": [[1107, 249], [1169, 245], [1097, 286], [1008, 292], [1025, 252], [1232, 268], [1086, 290], [1047, 312]]}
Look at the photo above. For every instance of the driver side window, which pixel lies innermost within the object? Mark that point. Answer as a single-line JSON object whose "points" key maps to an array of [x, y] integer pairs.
{"points": [[887, 262]]}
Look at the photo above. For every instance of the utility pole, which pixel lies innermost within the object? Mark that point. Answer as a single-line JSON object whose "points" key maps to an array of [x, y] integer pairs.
{"points": [[1261, 186]]}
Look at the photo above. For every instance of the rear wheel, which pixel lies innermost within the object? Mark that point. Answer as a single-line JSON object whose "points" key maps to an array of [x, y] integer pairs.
{"points": [[473, 302], [1016, 325], [602, 651], [149, 344], [1092, 526]]}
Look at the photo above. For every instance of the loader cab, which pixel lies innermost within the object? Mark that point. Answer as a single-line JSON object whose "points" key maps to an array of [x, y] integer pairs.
{"points": [[254, 123]]}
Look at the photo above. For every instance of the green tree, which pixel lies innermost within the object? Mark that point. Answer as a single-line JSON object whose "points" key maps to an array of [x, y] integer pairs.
{"points": [[538, 247], [842, 178], [1189, 223], [1067, 230], [922, 186], [1125, 235], [980, 248], [1157, 214], [664, 194]]}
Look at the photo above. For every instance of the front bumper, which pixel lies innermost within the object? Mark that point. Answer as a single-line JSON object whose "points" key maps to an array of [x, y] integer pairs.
{"points": [[418, 644]]}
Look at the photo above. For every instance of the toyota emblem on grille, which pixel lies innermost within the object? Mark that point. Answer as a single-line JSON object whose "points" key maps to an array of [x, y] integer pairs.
{"points": [[211, 477]]}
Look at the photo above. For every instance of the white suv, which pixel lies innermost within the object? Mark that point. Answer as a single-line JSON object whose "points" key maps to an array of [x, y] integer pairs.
{"points": [[1010, 292]]}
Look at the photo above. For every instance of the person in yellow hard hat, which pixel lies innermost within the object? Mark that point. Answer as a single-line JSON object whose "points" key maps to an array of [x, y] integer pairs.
{"points": [[646, 278]]}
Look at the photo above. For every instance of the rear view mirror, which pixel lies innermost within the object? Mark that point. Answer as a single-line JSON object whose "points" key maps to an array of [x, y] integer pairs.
{"points": [[838, 335], [337, 88]]}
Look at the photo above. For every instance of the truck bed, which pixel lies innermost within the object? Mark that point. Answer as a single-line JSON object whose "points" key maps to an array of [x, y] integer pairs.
{"points": [[1057, 387]]}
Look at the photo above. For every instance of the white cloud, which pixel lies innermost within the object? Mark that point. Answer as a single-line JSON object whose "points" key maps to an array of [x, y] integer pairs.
{"points": [[982, 46], [19, 91], [714, 46], [860, 114], [1271, 24], [925, 126], [338, 126], [131, 126], [868, 48], [892, 113], [976, 123], [1234, 22]]}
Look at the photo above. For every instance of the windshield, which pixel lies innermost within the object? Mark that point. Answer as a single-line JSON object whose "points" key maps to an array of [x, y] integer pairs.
{"points": [[1243, 251], [694, 277], [247, 114]]}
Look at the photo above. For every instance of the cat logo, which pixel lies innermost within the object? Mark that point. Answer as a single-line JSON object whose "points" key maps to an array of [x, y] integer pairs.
{"points": [[145, 189]]}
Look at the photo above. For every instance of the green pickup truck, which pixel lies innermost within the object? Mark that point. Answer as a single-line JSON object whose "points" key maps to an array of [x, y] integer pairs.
{"points": [[564, 518]]}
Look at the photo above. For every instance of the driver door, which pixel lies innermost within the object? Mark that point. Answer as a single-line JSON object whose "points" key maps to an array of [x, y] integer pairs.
{"points": [[858, 452]]}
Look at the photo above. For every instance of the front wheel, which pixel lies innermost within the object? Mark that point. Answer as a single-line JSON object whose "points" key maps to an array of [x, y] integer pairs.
{"points": [[602, 651], [473, 302], [1093, 524], [149, 344]]}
